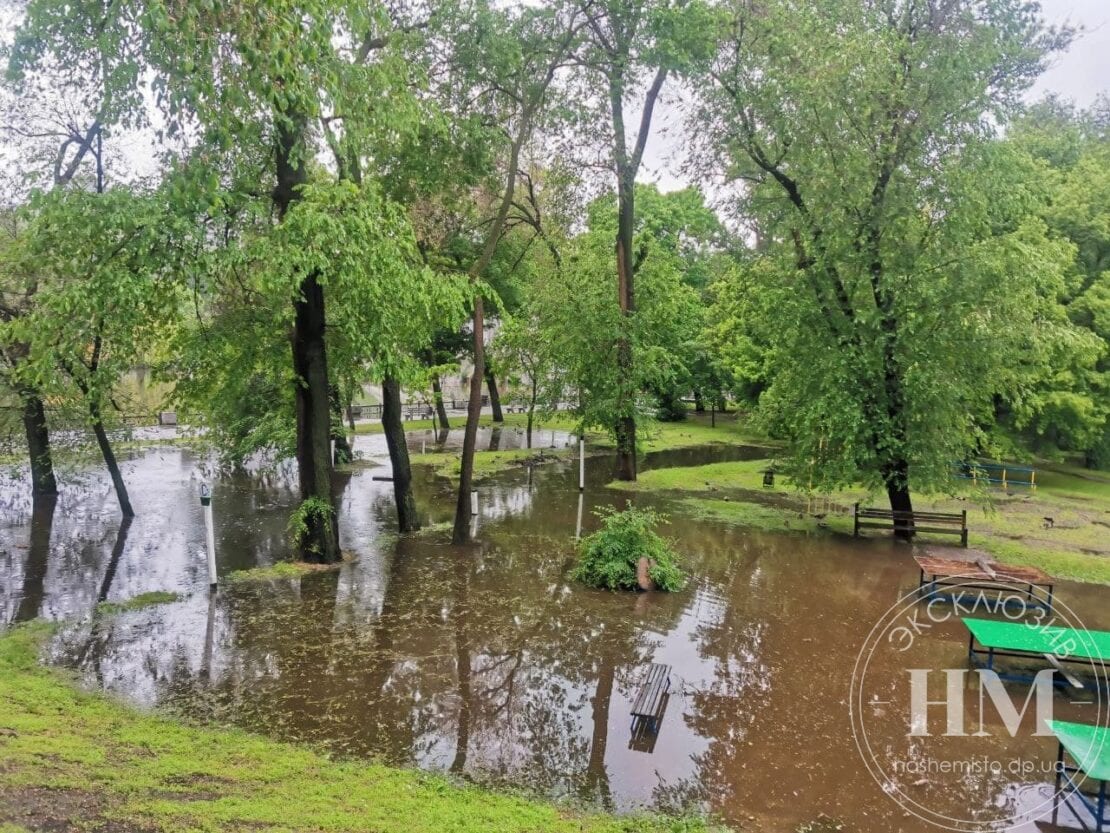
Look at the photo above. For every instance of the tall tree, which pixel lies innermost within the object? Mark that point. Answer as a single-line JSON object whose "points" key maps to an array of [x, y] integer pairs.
{"points": [[892, 287], [512, 64], [90, 324], [245, 84], [629, 43]]}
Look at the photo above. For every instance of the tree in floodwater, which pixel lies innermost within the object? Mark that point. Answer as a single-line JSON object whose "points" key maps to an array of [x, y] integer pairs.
{"points": [[104, 269], [901, 274], [628, 45], [503, 64], [580, 325], [247, 83], [52, 126]]}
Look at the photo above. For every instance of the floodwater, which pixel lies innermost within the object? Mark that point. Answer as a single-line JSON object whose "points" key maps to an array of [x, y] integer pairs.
{"points": [[489, 662]]}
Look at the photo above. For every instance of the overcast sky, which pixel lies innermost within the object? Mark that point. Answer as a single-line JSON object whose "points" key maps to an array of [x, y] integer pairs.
{"points": [[1080, 75]]}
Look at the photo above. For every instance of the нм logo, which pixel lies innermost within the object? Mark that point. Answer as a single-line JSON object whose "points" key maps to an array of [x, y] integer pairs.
{"points": [[989, 683]]}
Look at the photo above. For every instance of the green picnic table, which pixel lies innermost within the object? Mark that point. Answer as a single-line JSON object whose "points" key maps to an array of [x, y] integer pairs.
{"points": [[1057, 646], [1084, 750]]}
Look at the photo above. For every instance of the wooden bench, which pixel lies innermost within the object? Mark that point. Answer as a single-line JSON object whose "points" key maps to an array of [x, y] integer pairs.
{"points": [[651, 701], [949, 579], [420, 412], [941, 523]]}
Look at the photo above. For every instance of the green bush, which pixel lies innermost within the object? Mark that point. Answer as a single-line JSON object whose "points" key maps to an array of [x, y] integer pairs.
{"points": [[608, 558]]}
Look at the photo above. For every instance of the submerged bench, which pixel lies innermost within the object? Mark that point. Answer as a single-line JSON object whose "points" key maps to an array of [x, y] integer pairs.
{"points": [[1084, 751], [951, 579], [942, 523], [1060, 648], [651, 700]]}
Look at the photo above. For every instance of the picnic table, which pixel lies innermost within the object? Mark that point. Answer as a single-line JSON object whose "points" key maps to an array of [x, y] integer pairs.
{"points": [[1064, 649], [1084, 750], [936, 574]]}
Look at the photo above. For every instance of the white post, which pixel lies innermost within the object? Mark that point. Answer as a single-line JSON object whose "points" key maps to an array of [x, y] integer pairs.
{"points": [[423, 446], [209, 534], [581, 464], [578, 527], [473, 501]]}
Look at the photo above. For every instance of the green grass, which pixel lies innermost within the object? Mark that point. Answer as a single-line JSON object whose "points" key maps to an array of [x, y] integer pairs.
{"points": [[659, 436], [761, 517], [155, 597], [557, 422], [1009, 527], [119, 769], [696, 430], [280, 570], [488, 463]]}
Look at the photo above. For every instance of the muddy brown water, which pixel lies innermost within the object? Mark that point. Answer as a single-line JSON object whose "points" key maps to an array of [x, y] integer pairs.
{"points": [[489, 662]]}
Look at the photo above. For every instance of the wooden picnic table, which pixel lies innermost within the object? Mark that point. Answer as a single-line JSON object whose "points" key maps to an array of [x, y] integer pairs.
{"points": [[936, 573]]}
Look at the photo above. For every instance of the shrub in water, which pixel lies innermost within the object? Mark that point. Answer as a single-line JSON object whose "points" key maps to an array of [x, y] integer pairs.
{"points": [[608, 558]]}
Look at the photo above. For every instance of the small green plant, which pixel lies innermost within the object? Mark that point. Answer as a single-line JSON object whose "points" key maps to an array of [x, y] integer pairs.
{"points": [[309, 509], [609, 557]]}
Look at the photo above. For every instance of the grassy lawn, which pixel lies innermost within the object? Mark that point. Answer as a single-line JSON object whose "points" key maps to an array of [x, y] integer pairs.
{"points": [[488, 463], [76, 760], [1012, 527], [660, 436]]}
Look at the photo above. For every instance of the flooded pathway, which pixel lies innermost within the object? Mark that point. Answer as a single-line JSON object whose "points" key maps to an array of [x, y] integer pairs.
{"points": [[487, 661]]}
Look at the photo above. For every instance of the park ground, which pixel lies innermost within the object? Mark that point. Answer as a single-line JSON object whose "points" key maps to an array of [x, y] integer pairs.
{"points": [[66, 753], [1010, 526]]}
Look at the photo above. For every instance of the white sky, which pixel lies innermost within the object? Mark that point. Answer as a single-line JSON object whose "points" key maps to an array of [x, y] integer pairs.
{"points": [[1080, 75]]}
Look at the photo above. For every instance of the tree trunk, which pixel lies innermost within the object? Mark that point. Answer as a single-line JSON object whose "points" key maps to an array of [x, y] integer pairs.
{"points": [[699, 402], [898, 492], [626, 401], [407, 519], [494, 396], [43, 481], [532, 409], [110, 460], [461, 532], [349, 407], [320, 541], [342, 454], [441, 409]]}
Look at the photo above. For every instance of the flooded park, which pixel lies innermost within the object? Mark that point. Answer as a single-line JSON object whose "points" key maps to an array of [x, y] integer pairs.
{"points": [[488, 662], [555, 416]]}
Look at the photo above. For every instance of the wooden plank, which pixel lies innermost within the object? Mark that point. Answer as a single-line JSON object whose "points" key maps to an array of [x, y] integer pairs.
{"points": [[986, 567], [652, 695]]}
